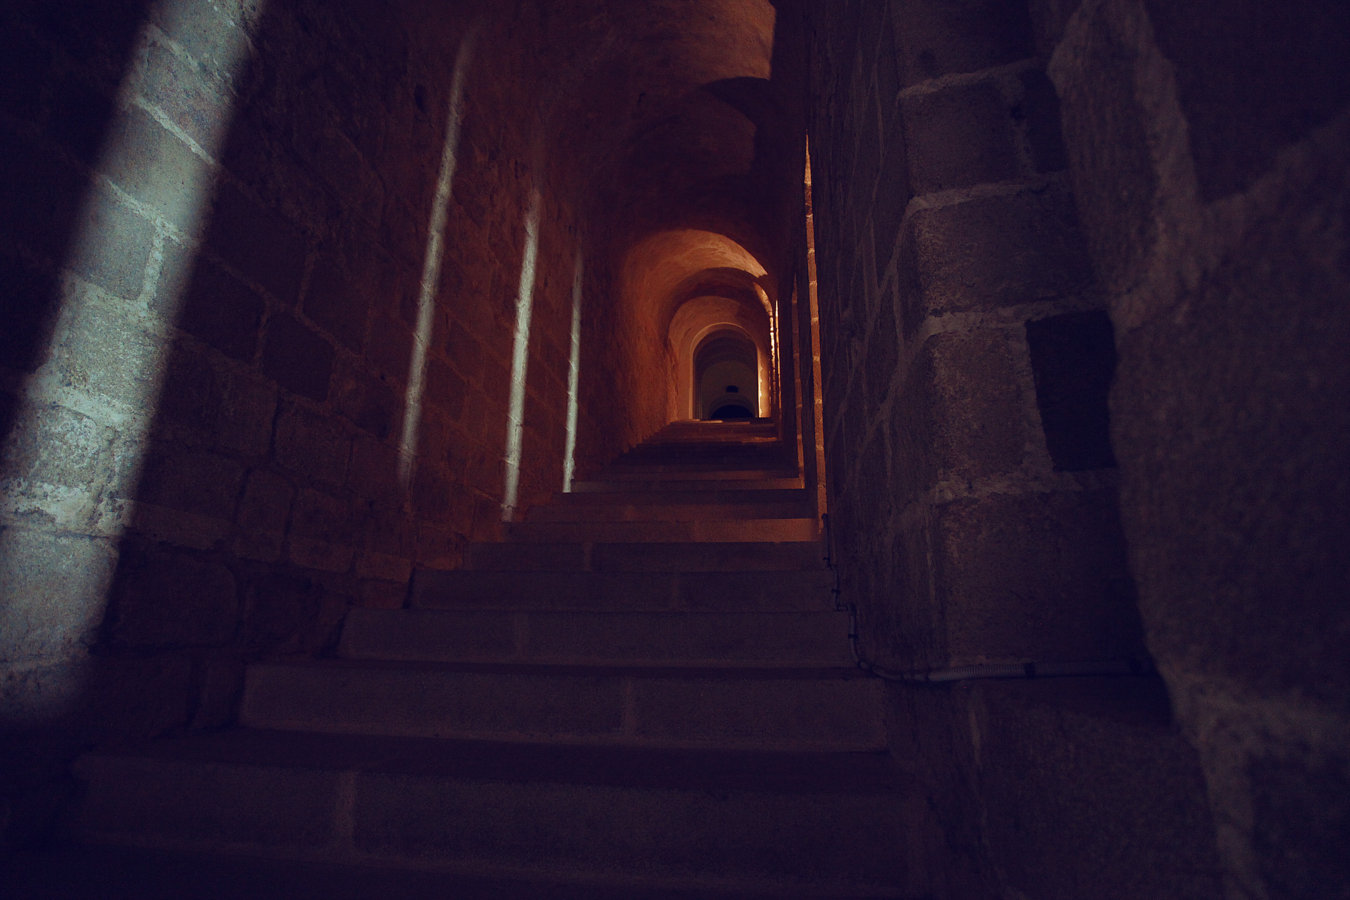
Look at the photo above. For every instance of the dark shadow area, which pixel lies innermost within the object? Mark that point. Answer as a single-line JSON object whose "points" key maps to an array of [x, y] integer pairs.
{"points": [[60, 65], [1073, 357]]}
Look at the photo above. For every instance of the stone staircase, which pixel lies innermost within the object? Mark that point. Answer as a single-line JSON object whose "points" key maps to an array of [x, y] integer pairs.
{"points": [[642, 692]]}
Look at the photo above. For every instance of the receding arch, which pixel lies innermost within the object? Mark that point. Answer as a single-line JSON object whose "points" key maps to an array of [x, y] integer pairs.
{"points": [[726, 368]]}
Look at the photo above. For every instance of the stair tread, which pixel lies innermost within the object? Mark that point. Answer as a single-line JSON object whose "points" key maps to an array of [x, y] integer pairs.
{"points": [[778, 771], [713, 672], [74, 871]]}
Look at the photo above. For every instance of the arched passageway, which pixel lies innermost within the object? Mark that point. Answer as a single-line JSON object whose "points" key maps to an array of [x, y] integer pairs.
{"points": [[727, 373]]}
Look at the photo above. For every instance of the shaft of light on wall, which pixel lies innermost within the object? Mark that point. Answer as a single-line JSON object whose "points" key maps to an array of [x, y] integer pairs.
{"points": [[573, 376], [59, 543], [520, 358], [431, 264]]}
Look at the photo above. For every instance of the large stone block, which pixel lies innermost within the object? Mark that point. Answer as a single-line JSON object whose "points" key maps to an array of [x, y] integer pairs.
{"points": [[940, 37], [1038, 576], [259, 242], [264, 511], [108, 353], [390, 348], [110, 244], [171, 598], [367, 400], [55, 465], [991, 252], [322, 532], [1038, 112], [1111, 164], [297, 358], [192, 99], [959, 136], [1231, 431], [374, 472], [219, 309], [1088, 790], [288, 612], [332, 302], [54, 588], [312, 444], [159, 170], [1244, 92], [960, 415], [220, 405], [191, 480]]}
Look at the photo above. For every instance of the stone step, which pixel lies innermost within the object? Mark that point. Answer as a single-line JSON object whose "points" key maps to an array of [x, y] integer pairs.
{"points": [[784, 708], [754, 824], [769, 498], [664, 508], [81, 871], [622, 638], [602, 484], [679, 471], [628, 556], [699, 530], [807, 590]]}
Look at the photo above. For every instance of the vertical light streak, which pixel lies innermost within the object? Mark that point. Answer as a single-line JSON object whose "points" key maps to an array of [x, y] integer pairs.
{"points": [[520, 357], [431, 264], [573, 377], [54, 576], [766, 392]]}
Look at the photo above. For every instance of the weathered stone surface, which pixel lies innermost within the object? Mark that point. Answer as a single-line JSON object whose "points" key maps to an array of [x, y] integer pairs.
{"points": [[172, 598], [1232, 424], [937, 37], [1113, 172], [208, 402], [222, 311], [367, 400], [1034, 577], [985, 253], [191, 98], [264, 512], [51, 463], [312, 445], [109, 353], [53, 585], [1242, 90], [297, 358], [197, 481], [959, 136], [960, 414], [158, 169], [258, 241], [1098, 759], [332, 302], [1038, 111]]}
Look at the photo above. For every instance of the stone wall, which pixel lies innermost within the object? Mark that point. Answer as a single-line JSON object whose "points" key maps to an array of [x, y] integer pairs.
{"points": [[217, 219], [1207, 149], [967, 353]]}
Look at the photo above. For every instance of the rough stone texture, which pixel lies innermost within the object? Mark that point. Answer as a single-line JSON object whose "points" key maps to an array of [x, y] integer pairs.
{"points": [[213, 278], [959, 534], [210, 323], [1210, 175]]}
